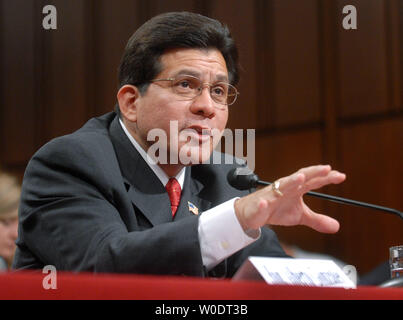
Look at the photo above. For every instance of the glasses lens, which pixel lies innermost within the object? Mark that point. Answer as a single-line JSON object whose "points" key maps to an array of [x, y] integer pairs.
{"points": [[219, 92], [232, 94], [186, 86], [190, 87], [224, 93]]}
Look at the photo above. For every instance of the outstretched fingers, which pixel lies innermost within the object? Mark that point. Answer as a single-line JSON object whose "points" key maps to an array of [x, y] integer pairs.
{"points": [[311, 178], [315, 171], [297, 181], [291, 185], [333, 177], [282, 203]]}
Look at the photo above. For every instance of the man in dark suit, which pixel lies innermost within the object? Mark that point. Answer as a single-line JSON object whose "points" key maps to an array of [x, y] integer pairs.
{"points": [[99, 199]]}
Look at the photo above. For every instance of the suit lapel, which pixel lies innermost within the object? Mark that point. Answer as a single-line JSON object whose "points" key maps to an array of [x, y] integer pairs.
{"points": [[155, 206], [144, 188]]}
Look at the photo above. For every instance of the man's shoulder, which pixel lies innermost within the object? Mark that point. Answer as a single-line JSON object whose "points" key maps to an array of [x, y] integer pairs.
{"points": [[91, 136], [87, 152], [94, 128], [88, 147], [98, 124]]}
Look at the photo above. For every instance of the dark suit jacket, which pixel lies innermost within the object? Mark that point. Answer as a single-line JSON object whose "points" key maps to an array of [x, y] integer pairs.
{"points": [[90, 202]]}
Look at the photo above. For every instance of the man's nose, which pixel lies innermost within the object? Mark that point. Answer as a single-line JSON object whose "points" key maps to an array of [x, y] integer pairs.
{"points": [[203, 104]]}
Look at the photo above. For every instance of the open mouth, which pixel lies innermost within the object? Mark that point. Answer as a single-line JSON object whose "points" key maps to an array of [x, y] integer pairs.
{"points": [[202, 134]]}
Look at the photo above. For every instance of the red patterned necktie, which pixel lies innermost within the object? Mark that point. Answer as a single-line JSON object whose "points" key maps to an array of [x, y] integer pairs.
{"points": [[174, 191]]}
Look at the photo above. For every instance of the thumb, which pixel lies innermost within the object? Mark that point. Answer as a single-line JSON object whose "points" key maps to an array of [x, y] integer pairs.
{"points": [[320, 222]]}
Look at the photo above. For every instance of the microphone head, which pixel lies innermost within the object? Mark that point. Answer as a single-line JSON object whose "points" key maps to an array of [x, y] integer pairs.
{"points": [[242, 178]]}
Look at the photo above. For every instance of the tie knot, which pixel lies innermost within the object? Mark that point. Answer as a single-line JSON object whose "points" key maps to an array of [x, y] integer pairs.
{"points": [[174, 192]]}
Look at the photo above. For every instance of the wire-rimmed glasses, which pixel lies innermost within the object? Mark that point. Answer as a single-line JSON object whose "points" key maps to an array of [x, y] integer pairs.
{"points": [[189, 87]]}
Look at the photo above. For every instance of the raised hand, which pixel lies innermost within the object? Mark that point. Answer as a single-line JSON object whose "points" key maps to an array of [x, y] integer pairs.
{"points": [[286, 207]]}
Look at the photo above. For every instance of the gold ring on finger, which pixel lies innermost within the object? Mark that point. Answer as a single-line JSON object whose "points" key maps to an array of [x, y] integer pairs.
{"points": [[275, 186]]}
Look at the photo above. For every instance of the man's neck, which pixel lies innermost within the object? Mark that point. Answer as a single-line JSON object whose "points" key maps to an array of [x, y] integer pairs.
{"points": [[170, 170]]}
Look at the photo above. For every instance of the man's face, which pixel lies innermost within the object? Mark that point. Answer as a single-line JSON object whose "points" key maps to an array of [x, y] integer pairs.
{"points": [[196, 118]]}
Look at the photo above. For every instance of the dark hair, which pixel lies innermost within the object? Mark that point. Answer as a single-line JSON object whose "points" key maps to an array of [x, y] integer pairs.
{"points": [[141, 59]]}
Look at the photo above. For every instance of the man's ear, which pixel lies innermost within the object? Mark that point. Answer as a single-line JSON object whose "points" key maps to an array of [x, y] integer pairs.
{"points": [[127, 96]]}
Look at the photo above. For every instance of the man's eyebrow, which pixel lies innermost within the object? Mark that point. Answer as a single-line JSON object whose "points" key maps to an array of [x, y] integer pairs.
{"points": [[196, 74], [222, 78], [188, 72]]}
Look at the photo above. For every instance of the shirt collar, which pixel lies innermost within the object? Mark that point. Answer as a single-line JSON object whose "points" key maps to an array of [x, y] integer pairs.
{"points": [[162, 176]]}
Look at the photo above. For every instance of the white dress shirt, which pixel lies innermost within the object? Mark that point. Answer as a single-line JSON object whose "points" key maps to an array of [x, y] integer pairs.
{"points": [[220, 234]]}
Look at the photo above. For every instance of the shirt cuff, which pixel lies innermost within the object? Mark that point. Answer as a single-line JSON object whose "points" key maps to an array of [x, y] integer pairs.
{"points": [[221, 235]]}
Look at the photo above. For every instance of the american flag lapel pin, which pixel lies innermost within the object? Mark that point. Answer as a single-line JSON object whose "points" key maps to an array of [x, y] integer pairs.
{"points": [[193, 209]]}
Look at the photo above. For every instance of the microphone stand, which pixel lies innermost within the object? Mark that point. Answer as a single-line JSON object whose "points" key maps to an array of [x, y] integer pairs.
{"points": [[344, 200]]}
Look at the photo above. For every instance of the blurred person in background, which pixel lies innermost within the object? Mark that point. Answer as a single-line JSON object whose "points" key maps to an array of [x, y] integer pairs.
{"points": [[9, 199]]}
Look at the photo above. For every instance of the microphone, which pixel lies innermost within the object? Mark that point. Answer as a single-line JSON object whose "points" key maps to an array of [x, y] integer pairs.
{"points": [[243, 179]]}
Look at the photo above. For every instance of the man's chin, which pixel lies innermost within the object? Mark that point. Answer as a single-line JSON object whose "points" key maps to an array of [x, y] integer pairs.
{"points": [[195, 155]]}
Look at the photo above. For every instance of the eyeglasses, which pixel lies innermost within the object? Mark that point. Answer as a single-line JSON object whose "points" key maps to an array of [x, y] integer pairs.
{"points": [[190, 87]]}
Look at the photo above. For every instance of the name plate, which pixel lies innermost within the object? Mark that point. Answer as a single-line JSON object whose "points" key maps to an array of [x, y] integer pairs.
{"points": [[288, 271]]}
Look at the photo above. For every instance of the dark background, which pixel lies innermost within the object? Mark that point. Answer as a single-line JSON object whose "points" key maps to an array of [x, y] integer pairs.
{"points": [[315, 93]]}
